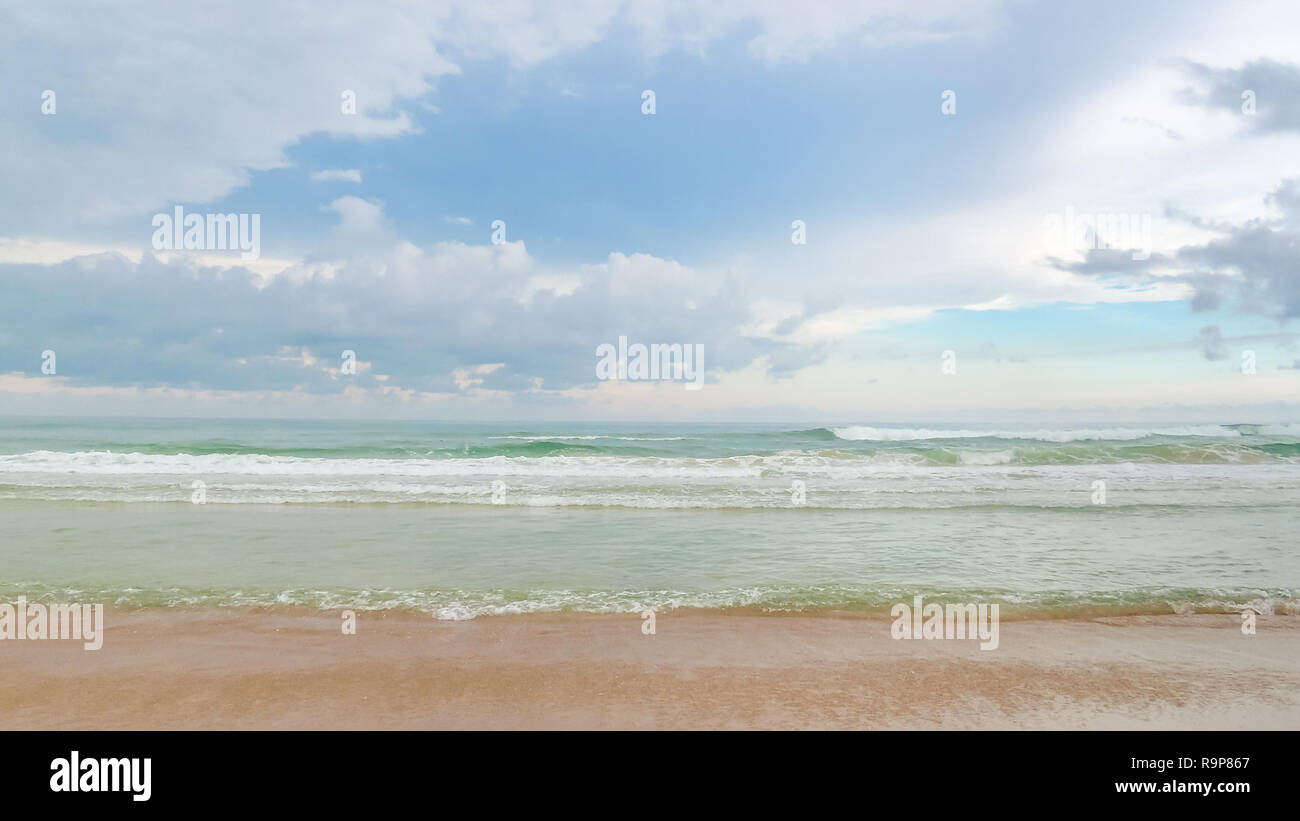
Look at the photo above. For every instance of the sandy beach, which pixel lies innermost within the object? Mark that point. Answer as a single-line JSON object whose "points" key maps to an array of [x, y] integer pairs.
{"points": [[293, 668]]}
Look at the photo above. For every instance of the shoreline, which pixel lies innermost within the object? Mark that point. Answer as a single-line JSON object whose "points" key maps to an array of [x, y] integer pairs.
{"points": [[293, 668]]}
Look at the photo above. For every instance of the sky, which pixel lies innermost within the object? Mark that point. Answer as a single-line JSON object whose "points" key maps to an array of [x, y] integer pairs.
{"points": [[501, 200]]}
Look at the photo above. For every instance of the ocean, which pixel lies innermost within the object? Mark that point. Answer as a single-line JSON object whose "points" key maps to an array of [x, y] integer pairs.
{"points": [[468, 519]]}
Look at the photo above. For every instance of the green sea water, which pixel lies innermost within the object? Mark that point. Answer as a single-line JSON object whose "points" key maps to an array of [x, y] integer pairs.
{"points": [[462, 520]]}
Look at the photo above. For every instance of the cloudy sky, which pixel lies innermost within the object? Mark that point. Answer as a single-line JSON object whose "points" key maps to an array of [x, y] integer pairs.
{"points": [[933, 151]]}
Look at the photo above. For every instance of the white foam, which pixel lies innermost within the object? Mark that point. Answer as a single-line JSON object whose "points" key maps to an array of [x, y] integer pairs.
{"points": [[859, 433], [576, 437], [998, 457]]}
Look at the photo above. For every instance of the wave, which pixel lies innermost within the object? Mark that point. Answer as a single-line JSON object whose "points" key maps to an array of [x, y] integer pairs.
{"points": [[557, 458], [861, 433], [968, 446], [565, 437], [458, 605], [856, 467]]}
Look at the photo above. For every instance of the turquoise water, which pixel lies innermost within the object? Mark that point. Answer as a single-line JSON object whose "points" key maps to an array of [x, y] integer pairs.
{"points": [[461, 520]]}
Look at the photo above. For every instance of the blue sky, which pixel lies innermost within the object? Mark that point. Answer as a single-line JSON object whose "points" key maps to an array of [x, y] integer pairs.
{"points": [[925, 230]]}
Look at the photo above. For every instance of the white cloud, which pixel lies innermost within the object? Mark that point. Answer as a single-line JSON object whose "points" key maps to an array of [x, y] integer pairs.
{"points": [[125, 75], [227, 107], [337, 175], [782, 31], [49, 252]]}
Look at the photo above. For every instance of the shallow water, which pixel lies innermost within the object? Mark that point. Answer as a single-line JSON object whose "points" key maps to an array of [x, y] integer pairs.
{"points": [[461, 520]]}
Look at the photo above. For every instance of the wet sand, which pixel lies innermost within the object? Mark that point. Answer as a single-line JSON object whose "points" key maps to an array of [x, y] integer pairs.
{"points": [[295, 669]]}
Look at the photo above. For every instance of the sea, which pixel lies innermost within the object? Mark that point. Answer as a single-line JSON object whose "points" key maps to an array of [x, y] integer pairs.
{"points": [[462, 520]]}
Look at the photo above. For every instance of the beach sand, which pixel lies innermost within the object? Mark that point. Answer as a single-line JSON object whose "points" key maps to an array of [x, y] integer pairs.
{"points": [[295, 669]]}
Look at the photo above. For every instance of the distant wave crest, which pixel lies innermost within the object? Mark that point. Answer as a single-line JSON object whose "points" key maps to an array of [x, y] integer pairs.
{"points": [[861, 433]]}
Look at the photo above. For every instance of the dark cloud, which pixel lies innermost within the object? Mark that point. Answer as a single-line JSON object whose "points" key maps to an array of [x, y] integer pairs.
{"points": [[1109, 262], [785, 360], [1210, 340], [1256, 267], [1276, 87], [417, 316], [1252, 267]]}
